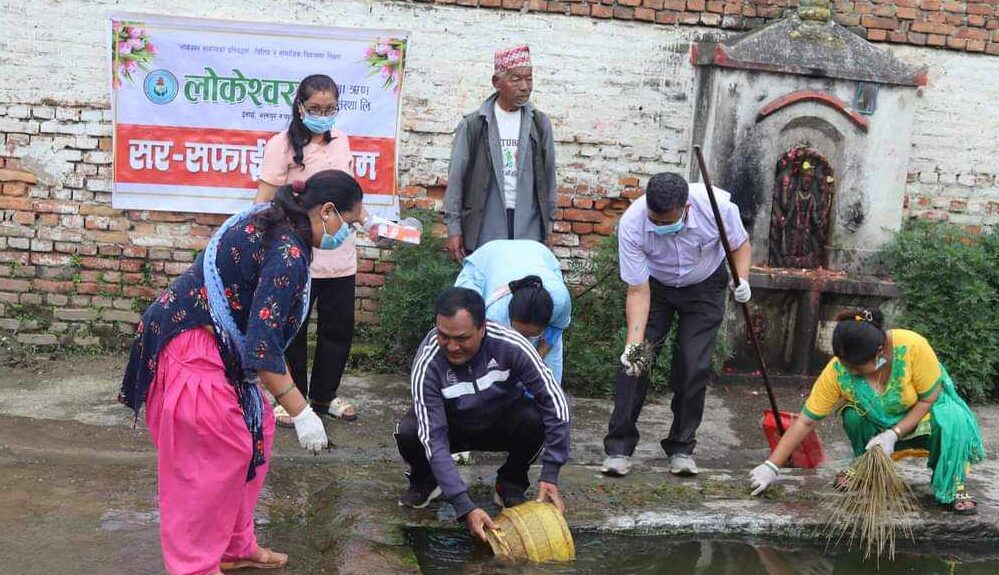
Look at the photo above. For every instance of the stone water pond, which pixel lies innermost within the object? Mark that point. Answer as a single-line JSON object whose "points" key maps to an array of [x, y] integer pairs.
{"points": [[453, 552]]}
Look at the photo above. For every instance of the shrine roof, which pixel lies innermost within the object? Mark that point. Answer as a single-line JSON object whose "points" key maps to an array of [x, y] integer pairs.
{"points": [[820, 49]]}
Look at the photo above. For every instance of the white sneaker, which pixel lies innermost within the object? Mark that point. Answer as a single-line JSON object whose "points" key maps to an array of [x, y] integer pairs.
{"points": [[462, 457], [616, 465], [682, 464]]}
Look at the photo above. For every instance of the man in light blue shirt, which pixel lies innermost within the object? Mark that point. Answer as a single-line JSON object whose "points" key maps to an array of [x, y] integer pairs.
{"points": [[673, 261]]}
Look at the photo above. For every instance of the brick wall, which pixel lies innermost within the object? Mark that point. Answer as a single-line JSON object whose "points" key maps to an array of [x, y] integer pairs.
{"points": [[73, 270], [971, 25]]}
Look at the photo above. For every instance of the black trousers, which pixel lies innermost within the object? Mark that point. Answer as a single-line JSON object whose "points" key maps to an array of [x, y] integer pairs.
{"points": [[519, 432], [334, 300], [699, 310]]}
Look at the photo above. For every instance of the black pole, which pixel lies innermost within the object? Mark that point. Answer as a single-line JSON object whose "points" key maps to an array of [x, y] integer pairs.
{"points": [[746, 313]]}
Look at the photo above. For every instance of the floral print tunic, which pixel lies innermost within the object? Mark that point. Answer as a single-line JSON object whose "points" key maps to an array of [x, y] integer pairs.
{"points": [[265, 288]]}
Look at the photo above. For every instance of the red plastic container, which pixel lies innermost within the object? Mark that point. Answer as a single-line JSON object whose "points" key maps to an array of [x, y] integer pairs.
{"points": [[808, 455]]}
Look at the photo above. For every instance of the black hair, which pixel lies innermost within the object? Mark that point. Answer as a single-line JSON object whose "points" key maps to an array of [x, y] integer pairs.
{"points": [[858, 335], [665, 192], [530, 302], [452, 300], [290, 208], [297, 132]]}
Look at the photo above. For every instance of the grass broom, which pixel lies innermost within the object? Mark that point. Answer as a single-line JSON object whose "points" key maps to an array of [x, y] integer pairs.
{"points": [[870, 507]]}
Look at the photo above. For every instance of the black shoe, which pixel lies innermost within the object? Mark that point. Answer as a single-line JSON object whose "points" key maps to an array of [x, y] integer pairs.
{"points": [[419, 496], [507, 498]]}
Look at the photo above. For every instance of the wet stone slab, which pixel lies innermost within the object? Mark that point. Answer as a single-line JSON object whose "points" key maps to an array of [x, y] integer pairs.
{"points": [[78, 482]]}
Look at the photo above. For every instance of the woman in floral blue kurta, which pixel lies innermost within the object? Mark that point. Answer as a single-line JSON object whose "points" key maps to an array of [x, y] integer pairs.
{"points": [[201, 349]]}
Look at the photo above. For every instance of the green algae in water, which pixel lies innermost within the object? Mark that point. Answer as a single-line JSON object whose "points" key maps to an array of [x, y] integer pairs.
{"points": [[452, 552]]}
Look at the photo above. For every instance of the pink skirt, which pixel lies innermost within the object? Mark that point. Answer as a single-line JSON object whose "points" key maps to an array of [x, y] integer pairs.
{"points": [[203, 450]]}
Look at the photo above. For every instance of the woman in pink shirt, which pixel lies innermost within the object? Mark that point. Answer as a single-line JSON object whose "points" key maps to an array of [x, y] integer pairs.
{"points": [[310, 145]]}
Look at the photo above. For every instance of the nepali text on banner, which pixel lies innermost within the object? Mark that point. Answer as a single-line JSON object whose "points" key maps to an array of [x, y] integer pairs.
{"points": [[195, 101]]}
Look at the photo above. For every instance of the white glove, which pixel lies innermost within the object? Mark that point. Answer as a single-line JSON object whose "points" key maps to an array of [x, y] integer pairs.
{"points": [[741, 290], [885, 440], [633, 369], [762, 476], [311, 431]]}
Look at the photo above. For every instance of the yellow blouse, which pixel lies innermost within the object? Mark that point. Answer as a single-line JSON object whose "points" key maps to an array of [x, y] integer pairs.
{"points": [[914, 376]]}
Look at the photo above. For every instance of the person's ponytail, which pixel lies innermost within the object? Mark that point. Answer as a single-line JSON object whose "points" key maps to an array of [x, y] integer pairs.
{"points": [[530, 302]]}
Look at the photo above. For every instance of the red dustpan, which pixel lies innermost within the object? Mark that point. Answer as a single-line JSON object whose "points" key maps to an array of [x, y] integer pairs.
{"points": [[809, 454]]}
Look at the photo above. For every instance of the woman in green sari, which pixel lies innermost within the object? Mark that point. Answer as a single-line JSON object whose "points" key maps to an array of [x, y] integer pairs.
{"points": [[895, 394]]}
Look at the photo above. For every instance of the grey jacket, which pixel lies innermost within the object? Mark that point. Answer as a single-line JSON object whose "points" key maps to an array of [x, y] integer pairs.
{"points": [[474, 203]]}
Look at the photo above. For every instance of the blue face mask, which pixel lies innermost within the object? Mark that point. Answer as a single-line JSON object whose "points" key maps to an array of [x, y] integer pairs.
{"points": [[332, 242], [673, 228], [319, 124], [669, 229]]}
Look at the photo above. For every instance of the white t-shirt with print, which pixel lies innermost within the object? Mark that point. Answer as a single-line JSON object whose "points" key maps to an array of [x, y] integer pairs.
{"points": [[509, 136]]}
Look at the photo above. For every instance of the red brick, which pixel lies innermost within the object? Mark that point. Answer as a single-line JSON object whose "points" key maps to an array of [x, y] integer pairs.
{"points": [[710, 19], [13, 285], [579, 9], [631, 193], [98, 210], [583, 216], [749, 10], [14, 189], [135, 290], [981, 9], [631, 3], [973, 34], [863, 8], [976, 21], [582, 203], [931, 28], [513, 4], [93, 263], [897, 37], [562, 227], [930, 5], [169, 217], [24, 218], [956, 43], [50, 259], [675, 5], [370, 280], [907, 13], [622, 13], [954, 19], [604, 229], [877, 35], [537, 5], [885, 10], [732, 8], [134, 252], [104, 144], [936, 40], [600, 204], [645, 14], [55, 206], [955, 7], [12, 203], [976, 45], [716, 6], [666, 17], [879, 23], [598, 11], [917, 38], [653, 4], [695, 5], [50, 286], [582, 228]]}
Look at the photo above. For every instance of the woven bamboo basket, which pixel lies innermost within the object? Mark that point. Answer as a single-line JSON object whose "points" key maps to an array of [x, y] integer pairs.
{"points": [[534, 531]]}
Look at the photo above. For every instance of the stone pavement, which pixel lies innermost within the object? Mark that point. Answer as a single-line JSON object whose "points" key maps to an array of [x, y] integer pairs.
{"points": [[77, 482]]}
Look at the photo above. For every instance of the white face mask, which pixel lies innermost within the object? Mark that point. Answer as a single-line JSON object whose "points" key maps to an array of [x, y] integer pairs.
{"points": [[536, 340]]}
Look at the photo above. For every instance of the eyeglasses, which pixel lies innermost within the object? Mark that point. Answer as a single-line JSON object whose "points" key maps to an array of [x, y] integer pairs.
{"points": [[323, 112]]}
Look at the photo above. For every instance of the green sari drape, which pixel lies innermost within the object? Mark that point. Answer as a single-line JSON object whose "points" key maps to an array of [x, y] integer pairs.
{"points": [[952, 437]]}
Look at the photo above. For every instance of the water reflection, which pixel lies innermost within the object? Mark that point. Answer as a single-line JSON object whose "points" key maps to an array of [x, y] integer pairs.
{"points": [[454, 553]]}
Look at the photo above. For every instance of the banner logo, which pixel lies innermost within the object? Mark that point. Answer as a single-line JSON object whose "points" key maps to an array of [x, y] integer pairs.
{"points": [[161, 86]]}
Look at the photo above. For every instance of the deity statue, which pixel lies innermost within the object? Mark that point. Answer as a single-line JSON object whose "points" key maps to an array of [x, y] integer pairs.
{"points": [[799, 218]]}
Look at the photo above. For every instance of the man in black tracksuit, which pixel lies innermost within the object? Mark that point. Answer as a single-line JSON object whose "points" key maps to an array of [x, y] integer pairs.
{"points": [[468, 382]]}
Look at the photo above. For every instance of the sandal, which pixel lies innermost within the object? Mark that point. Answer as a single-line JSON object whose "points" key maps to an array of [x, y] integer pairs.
{"points": [[964, 504], [282, 418], [337, 409], [267, 560]]}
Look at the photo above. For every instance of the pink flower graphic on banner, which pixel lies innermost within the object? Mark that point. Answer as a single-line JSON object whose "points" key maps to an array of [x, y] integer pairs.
{"points": [[131, 51], [387, 58]]}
